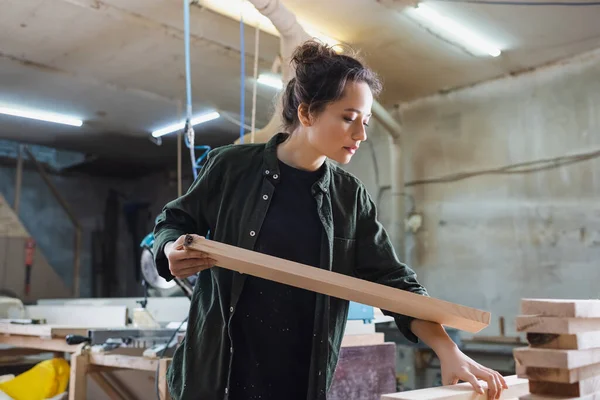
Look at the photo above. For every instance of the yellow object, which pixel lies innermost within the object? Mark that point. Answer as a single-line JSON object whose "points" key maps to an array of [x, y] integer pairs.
{"points": [[47, 379]]}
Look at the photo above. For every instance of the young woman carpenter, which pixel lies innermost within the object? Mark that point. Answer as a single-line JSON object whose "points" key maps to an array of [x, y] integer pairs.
{"points": [[250, 338]]}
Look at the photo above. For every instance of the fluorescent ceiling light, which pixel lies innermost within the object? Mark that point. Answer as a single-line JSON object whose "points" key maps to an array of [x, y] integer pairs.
{"points": [[270, 80], [455, 32], [179, 126], [41, 116]]}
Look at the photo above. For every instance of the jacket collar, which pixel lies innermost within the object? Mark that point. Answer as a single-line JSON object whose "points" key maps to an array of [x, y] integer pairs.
{"points": [[271, 163]]}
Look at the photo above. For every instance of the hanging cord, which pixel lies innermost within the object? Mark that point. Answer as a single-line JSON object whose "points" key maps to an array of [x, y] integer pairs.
{"points": [[188, 128], [243, 74], [256, 39]]}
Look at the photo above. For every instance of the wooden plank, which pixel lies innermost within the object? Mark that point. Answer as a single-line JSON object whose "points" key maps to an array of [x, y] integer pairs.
{"points": [[561, 308], [78, 375], [576, 341], [123, 361], [32, 342], [343, 286], [113, 316], [516, 387], [529, 323], [163, 388], [548, 358], [363, 340], [576, 389], [559, 375], [43, 330], [595, 396]]}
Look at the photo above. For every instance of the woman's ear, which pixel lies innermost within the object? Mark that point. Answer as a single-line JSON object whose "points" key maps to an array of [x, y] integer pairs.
{"points": [[304, 115]]}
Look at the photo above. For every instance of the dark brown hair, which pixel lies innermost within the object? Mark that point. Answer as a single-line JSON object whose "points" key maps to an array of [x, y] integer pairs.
{"points": [[321, 77]]}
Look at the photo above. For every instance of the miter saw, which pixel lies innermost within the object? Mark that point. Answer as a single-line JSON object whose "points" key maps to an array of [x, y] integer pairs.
{"points": [[155, 285]]}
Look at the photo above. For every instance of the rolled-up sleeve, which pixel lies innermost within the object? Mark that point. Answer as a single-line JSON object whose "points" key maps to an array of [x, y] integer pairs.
{"points": [[186, 214], [376, 259]]}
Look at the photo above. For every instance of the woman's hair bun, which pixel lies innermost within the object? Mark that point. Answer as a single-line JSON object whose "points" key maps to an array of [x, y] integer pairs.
{"points": [[320, 78]]}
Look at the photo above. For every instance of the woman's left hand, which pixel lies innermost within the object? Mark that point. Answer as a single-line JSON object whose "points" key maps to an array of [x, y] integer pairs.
{"points": [[456, 366]]}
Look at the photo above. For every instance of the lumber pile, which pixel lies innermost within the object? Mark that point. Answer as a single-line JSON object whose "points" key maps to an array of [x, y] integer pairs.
{"points": [[562, 359]]}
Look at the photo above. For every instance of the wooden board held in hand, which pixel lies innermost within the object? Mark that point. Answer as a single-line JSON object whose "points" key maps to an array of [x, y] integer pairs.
{"points": [[561, 308], [343, 286]]}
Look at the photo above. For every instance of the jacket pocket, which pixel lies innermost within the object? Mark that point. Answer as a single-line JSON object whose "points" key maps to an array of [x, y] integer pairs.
{"points": [[344, 255]]}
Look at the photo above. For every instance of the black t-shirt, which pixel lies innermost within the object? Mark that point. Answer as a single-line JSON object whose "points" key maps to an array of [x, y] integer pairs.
{"points": [[272, 328]]}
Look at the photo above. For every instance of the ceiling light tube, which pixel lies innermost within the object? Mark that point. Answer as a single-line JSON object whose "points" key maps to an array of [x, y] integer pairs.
{"points": [[179, 126], [41, 116], [469, 39], [270, 80]]}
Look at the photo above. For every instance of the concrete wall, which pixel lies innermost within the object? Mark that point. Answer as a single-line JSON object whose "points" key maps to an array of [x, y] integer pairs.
{"points": [[490, 240], [42, 215]]}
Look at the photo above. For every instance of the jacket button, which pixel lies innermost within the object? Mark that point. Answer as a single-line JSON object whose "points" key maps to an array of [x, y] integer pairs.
{"points": [[231, 309], [265, 197], [275, 176], [267, 172], [252, 233]]}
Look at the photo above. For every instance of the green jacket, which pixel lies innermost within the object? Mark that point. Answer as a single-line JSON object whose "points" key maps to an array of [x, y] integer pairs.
{"points": [[229, 199]]}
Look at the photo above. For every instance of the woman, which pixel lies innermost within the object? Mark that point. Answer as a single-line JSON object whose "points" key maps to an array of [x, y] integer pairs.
{"points": [[249, 338]]}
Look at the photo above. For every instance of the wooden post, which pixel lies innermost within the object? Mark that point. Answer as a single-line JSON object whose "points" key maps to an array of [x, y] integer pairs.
{"points": [[78, 378], [163, 387]]}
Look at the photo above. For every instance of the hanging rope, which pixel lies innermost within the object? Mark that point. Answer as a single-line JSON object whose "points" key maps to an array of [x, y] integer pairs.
{"points": [[256, 39], [188, 128]]}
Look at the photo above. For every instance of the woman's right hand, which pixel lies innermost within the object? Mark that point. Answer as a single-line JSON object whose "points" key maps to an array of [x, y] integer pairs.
{"points": [[185, 262]]}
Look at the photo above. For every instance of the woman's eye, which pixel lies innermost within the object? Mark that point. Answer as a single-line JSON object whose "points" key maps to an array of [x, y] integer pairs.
{"points": [[348, 119], [365, 124]]}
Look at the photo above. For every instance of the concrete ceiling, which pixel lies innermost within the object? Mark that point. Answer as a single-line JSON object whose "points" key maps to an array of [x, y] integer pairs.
{"points": [[119, 64]]}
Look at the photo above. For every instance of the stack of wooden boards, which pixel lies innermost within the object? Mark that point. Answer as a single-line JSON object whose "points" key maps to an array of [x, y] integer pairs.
{"points": [[562, 360]]}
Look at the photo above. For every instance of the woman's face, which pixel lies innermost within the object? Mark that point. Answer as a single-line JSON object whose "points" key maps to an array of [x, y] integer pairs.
{"points": [[339, 129]]}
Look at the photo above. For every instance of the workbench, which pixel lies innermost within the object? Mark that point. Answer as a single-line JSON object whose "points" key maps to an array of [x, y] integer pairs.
{"points": [[27, 340]]}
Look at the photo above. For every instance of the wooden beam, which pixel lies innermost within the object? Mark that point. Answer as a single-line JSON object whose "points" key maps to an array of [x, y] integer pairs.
{"points": [[32, 342], [549, 358], [78, 375], [462, 391], [559, 375], [163, 388], [561, 308], [581, 388], [123, 361], [558, 325], [343, 286], [576, 341], [42, 330], [595, 396]]}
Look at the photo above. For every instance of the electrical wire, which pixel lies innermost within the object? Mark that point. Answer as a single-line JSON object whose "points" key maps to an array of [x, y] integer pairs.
{"points": [[524, 3], [519, 168], [243, 75], [188, 128], [254, 84]]}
